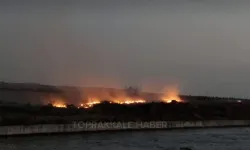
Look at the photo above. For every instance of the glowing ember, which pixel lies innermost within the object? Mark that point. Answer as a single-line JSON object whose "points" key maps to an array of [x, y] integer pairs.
{"points": [[59, 105], [119, 97], [130, 101], [90, 104], [171, 94], [120, 101], [58, 102]]}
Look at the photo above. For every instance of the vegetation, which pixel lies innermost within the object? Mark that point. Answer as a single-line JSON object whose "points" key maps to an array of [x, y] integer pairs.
{"points": [[28, 114], [198, 108]]}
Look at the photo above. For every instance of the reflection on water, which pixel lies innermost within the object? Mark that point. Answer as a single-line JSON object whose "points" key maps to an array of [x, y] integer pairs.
{"points": [[197, 139]]}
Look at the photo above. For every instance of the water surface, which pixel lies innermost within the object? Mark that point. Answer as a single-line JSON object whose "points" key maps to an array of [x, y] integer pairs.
{"points": [[197, 139]]}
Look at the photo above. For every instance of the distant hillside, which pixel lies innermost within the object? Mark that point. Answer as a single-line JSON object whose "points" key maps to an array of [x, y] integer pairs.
{"points": [[28, 87], [43, 94], [27, 92]]}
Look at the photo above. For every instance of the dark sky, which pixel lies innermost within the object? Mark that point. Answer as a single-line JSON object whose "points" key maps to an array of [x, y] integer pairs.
{"points": [[202, 45]]}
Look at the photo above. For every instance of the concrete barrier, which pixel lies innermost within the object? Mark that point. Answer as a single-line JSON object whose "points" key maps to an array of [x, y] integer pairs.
{"points": [[115, 126]]}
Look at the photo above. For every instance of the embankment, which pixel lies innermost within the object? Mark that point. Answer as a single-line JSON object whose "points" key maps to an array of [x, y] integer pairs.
{"points": [[116, 126]]}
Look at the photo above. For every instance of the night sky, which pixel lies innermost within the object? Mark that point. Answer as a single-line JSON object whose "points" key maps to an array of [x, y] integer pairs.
{"points": [[201, 45]]}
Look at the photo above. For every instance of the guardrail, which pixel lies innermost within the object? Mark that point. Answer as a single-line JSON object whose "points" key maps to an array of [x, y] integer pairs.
{"points": [[115, 126]]}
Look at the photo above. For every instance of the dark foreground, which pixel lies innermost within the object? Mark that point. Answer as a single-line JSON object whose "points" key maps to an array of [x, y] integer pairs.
{"points": [[200, 139], [29, 104]]}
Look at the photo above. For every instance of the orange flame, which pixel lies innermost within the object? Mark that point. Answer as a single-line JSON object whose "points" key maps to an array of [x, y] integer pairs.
{"points": [[120, 101], [90, 103], [171, 93], [59, 104], [130, 101], [95, 96]]}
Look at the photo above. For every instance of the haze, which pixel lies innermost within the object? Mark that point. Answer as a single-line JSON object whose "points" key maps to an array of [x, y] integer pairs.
{"points": [[201, 45]]}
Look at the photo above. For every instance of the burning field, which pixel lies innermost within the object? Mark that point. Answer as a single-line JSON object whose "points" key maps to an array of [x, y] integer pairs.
{"points": [[171, 93], [94, 96]]}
